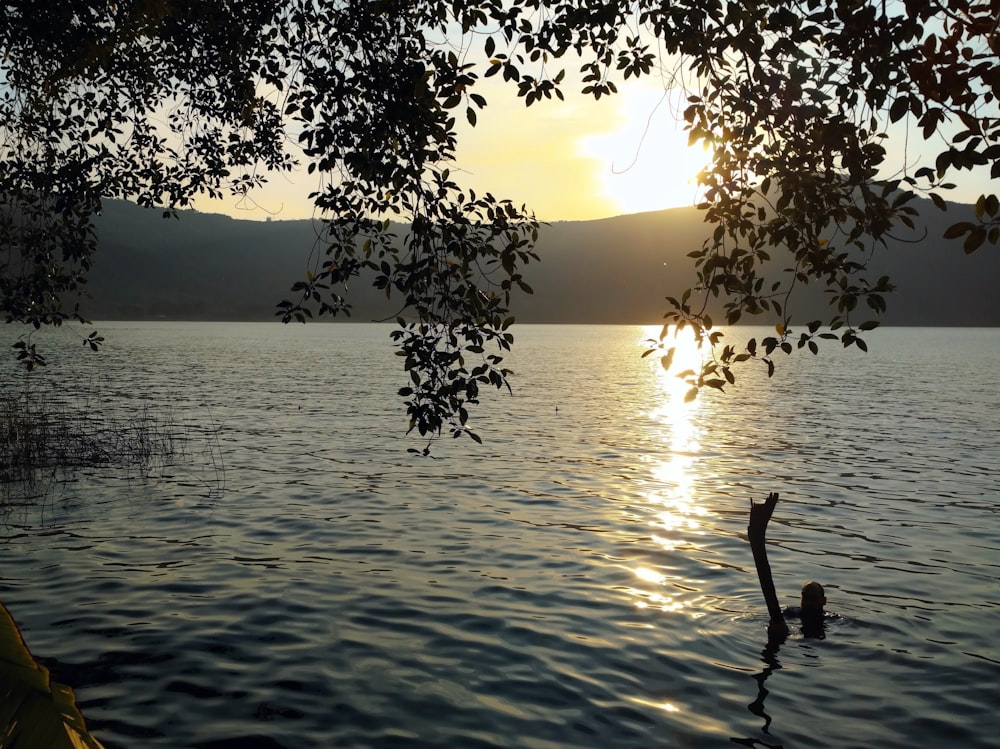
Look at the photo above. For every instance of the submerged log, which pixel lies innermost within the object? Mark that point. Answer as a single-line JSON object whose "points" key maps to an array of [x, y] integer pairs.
{"points": [[760, 515]]}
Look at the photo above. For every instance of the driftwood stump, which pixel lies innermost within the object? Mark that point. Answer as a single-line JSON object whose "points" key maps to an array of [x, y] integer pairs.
{"points": [[760, 515]]}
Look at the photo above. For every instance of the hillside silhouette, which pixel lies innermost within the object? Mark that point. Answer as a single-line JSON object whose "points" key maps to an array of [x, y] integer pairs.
{"points": [[615, 270]]}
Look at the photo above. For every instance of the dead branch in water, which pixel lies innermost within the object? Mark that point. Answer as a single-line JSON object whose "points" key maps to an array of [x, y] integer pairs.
{"points": [[760, 515]]}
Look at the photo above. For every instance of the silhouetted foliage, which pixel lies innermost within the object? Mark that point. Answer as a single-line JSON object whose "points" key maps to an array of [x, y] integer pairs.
{"points": [[158, 101], [796, 100]]}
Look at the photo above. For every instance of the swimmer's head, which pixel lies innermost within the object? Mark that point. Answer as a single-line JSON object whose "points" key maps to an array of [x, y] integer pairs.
{"points": [[813, 598]]}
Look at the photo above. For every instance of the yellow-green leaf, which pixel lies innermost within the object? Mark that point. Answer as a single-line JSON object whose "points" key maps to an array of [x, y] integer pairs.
{"points": [[668, 359], [34, 712]]}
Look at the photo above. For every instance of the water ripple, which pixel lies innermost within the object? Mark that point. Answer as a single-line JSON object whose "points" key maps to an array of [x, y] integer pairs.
{"points": [[581, 580]]}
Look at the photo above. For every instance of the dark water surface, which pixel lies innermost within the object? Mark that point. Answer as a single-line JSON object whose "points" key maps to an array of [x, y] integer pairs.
{"points": [[580, 580]]}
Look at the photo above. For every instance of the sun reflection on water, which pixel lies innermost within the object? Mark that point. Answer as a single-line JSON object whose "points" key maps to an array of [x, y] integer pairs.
{"points": [[675, 514], [675, 517]]}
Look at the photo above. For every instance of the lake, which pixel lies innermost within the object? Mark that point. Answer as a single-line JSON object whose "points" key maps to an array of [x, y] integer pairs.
{"points": [[582, 579]]}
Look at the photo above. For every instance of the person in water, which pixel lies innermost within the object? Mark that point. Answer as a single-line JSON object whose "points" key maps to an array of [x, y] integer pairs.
{"points": [[810, 609]]}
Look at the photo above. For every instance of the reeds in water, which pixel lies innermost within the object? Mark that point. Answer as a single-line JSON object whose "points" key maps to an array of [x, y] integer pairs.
{"points": [[44, 435]]}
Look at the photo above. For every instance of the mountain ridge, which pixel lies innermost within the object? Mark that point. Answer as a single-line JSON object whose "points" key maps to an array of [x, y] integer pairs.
{"points": [[608, 270]]}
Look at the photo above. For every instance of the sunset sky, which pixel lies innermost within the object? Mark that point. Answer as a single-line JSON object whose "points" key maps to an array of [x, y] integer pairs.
{"points": [[572, 160]]}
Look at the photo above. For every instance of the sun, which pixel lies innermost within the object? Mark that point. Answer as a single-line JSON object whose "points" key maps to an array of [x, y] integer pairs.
{"points": [[644, 159]]}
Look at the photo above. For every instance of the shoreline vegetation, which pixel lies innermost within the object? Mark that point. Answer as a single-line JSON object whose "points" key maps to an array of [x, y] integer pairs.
{"points": [[40, 435], [46, 439]]}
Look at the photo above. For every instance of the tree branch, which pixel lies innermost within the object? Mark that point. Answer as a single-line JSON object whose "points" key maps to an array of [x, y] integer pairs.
{"points": [[760, 515]]}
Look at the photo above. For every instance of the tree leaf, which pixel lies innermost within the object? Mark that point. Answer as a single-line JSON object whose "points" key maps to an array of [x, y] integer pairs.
{"points": [[35, 713], [975, 240], [668, 359], [957, 230]]}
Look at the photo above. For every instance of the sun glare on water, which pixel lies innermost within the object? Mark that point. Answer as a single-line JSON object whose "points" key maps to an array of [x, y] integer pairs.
{"points": [[675, 514]]}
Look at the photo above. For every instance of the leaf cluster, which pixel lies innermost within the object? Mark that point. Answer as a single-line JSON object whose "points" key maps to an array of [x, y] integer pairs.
{"points": [[159, 102]]}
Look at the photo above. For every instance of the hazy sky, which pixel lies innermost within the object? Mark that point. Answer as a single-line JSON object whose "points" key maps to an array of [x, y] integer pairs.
{"points": [[570, 160]]}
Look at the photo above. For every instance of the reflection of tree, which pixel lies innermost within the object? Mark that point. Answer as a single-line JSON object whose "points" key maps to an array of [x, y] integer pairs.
{"points": [[770, 657]]}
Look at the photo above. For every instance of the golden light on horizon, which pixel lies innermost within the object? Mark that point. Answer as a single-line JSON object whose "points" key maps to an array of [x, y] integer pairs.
{"points": [[574, 160]]}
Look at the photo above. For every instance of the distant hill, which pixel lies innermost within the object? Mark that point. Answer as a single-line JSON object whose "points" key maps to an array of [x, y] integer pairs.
{"points": [[615, 270]]}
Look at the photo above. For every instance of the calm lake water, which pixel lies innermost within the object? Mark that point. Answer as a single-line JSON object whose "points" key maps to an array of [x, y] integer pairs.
{"points": [[582, 579]]}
